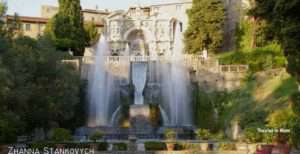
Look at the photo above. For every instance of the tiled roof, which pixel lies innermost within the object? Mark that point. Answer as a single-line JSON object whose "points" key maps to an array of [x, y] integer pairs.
{"points": [[29, 19], [40, 20]]}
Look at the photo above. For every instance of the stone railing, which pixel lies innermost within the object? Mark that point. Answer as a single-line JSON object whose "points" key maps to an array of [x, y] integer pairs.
{"points": [[195, 62], [234, 68]]}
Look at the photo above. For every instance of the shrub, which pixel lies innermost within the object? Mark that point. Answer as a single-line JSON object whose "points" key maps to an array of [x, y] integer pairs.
{"points": [[203, 134], [170, 134], [270, 56], [96, 136], [120, 146], [61, 135], [155, 146], [103, 146], [252, 135], [227, 146]]}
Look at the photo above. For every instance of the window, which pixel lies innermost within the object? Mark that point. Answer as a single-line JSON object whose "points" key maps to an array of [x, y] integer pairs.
{"points": [[27, 27]]}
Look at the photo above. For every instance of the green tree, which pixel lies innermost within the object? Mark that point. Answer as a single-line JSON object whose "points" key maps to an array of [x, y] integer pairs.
{"points": [[206, 22], [284, 22], [3, 9], [43, 90], [66, 27], [91, 34]]}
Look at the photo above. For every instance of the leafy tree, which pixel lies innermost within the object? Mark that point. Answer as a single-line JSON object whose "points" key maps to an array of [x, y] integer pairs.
{"points": [[91, 34], [284, 22], [206, 22], [66, 27], [43, 90], [3, 9]]}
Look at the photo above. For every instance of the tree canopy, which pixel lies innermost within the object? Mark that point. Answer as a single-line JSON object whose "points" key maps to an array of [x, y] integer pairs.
{"points": [[206, 26], [284, 23], [66, 27], [37, 90]]}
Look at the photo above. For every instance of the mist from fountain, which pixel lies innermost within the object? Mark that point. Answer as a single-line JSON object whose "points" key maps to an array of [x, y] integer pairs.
{"points": [[175, 85], [101, 87]]}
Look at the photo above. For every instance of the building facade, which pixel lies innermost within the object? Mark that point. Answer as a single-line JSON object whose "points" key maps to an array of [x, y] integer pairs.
{"points": [[154, 24], [35, 26]]}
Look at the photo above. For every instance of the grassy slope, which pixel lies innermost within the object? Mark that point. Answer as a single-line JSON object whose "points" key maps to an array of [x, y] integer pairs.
{"points": [[261, 95]]}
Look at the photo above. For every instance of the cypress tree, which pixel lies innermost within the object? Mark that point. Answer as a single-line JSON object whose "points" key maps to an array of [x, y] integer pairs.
{"points": [[206, 26], [66, 27]]}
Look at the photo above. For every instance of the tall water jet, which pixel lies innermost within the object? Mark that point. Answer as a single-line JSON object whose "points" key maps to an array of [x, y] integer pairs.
{"points": [[175, 84], [100, 87]]}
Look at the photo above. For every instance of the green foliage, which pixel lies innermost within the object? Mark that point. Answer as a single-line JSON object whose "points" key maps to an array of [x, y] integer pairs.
{"points": [[259, 59], [103, 146], [61, 135], [37, 89], [252, 135], [227, 146], [205, 29], [203, 134], [295, 98], [3, 9], [279, 118], [284, 22], [9, 127], [170, 134], [120, 146], [203, 109], [155, 146], [253, 118], [66, 27], [96, 136], [91, 34], [286, 119]]}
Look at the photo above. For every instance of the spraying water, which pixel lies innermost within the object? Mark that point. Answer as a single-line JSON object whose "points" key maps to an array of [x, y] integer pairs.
{"points": [[139, 77], [100, 87], [175, 85]]}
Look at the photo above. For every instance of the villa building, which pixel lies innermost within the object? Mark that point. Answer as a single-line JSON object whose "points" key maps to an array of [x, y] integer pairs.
{"points": [[35, 26], [155, 24]]}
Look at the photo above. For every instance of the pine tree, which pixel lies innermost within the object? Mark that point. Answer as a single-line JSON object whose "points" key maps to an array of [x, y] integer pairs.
{"points": [[206, 26], [66, 28]]}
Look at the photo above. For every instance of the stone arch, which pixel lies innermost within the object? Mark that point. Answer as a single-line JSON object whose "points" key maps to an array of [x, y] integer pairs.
{"points": [[148, 37], [173, 24]]}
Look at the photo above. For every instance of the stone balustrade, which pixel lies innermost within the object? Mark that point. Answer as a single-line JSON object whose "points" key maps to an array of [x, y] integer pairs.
{"points": [[194, 62]]}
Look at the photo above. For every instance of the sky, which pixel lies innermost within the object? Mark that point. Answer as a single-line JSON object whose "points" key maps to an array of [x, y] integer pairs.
{"points": [[32, 7]]}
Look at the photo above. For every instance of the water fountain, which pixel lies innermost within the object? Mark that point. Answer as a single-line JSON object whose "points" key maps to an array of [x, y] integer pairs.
{"points": [[171, 83], [100, 87], [176, 81]]}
